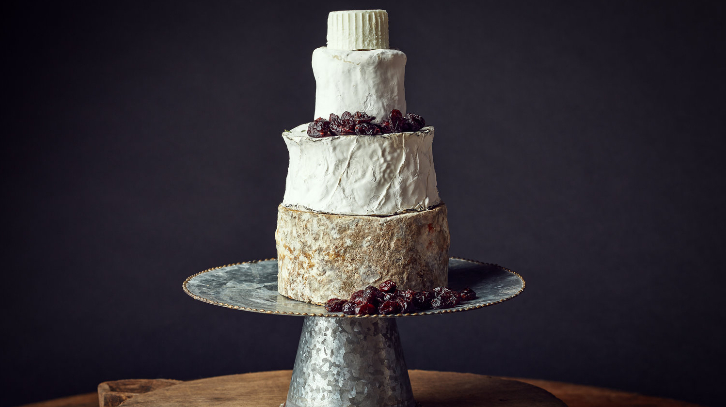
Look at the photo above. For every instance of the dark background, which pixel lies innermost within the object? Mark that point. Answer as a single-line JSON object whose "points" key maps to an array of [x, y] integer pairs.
{"points": [[580, 144]]}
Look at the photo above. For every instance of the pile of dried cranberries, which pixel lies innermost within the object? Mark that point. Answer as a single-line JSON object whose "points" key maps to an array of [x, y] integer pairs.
{"points": [[386, 300], [362, 124]]}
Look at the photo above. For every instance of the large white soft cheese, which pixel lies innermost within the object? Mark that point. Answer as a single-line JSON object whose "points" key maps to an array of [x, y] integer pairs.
{"points": [[361, 175], [365, 81], [358, 29]]}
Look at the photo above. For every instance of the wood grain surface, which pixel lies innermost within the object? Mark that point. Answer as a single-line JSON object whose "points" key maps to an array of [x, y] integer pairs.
{"points": [[112, 394], [432, 389]]}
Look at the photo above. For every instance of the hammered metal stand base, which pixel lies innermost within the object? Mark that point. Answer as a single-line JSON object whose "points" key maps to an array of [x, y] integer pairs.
{"points": [[344, 362]]}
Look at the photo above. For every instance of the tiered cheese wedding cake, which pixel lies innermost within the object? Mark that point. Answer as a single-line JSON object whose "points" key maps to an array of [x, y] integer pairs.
{"points": [[361, 204]]}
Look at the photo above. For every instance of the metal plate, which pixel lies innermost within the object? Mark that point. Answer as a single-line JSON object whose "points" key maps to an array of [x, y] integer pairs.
{"points": [[252, 286]]}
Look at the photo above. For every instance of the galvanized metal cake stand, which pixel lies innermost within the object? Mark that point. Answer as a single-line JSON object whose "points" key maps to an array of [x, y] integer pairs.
{"points": [[344, 360]]}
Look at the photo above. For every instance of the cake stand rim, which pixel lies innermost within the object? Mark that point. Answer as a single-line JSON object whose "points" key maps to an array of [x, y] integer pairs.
{"points": [[339, 315]]}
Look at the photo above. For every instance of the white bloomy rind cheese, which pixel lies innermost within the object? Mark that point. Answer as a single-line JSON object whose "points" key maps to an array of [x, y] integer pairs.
{"points": [[359, 81], [358, 29], [361, 175]]}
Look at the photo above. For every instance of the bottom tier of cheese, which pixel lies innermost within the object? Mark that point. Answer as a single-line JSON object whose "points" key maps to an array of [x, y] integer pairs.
{"points": [[322, 256]]}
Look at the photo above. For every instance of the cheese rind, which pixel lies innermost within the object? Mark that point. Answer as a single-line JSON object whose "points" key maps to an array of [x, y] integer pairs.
{"points": [[361, 175], [358, 29], [324, 256], [359, 81]]}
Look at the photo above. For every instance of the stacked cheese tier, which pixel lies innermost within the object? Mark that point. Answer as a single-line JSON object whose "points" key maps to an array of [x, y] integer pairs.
{"points": [[359, 210]]}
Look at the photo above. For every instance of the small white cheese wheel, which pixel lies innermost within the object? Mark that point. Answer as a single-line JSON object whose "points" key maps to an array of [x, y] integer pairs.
{"points": [[359, 81], [358, 29], [361, 175]]}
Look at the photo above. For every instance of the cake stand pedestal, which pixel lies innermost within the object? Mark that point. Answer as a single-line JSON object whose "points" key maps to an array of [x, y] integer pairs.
{"points": [[349, 362], [344, 360]]}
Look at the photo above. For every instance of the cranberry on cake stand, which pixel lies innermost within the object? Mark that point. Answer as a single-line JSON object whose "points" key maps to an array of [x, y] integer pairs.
{"points": [[345, 360]]}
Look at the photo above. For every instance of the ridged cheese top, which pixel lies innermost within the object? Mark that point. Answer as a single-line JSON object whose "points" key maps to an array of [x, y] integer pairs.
{"points": [[358, 29]]}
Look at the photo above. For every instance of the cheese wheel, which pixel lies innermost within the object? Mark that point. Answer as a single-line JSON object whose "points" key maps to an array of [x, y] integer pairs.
{"points": [[358, 29], [361, 175], [359, 81], [324, 256]]}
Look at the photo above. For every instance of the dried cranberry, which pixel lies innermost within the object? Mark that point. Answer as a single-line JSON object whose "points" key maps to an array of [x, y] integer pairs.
{"points": [[387, 286], [363, 296], [445, 298], [370, 298], [437, 303], [349, 308], [407, 295], [354, 297], [366, 309], [390, 307], [367, 129], [371, 290], [455, 297], [439, 290], [362, 117], [422, 299], [415, 122], [361, 123], [335, 305], [343, 124], [406, 305], [468, 294], [381, 297], [319, 128], [397, 121]]}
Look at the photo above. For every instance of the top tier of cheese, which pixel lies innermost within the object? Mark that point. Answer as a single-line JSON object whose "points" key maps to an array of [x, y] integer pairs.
{"points": [[358, 30]]}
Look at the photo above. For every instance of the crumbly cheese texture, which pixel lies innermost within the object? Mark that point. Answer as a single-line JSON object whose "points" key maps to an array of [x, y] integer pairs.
{"points": [[361, 175], [358, 29], [359, 81], [323, 256]]}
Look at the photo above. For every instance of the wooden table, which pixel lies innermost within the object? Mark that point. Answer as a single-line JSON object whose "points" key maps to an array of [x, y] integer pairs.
{"points": [[270, 388]]}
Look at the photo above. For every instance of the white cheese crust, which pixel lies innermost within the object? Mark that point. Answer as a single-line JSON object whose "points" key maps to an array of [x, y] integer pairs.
{"points": [[358, 29], [361, 175], [359, 81]]}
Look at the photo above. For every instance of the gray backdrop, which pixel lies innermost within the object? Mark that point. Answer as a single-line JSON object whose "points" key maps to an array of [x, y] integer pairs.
{"points": [[577, 143]]}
